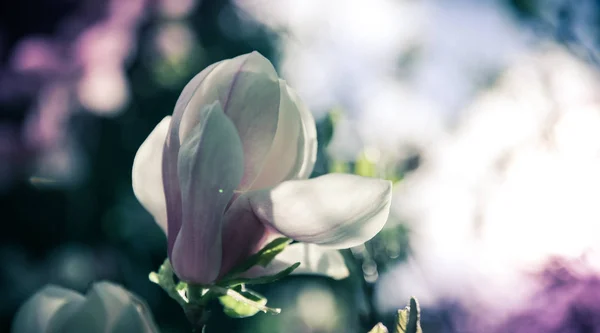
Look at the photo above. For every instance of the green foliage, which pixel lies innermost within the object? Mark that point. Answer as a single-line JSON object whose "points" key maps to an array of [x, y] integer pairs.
{"points": [[237, 301], [365, 167]]}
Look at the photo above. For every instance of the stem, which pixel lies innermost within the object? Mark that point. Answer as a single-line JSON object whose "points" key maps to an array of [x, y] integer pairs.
{"points": [[195, 310], [197, 316]]}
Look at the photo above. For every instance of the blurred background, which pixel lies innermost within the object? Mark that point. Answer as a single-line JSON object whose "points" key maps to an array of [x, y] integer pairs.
{"points": [[485, 114]]}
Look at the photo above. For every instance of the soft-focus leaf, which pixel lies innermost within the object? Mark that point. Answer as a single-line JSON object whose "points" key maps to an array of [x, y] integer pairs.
{"points": [[336, 166], [325, 131], [365, 167], [379, 328], [408, 320]]}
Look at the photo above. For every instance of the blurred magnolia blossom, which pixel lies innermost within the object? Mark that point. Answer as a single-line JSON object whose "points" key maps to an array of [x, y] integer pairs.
{"points": [[227, 172], [400, 70], [82, 65], [176, 9], [105, 308], [567, 302], [512, 188], [175, 51]]}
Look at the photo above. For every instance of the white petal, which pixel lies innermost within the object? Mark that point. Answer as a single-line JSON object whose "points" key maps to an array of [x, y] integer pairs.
{"points": [[294, 149], [39, 311], [146, 175], [314, 260], [248, 89], [334, 210]]}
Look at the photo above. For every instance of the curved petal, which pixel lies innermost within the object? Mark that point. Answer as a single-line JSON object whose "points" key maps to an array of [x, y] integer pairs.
{"points": [[109, 308], [99, 310], [314, 260], [243, 234], [171, 153], [209, 170], [294, 150], [334, 210], [308, 146], [146, 174], [135, 317], [248, 89], [38, 312]]}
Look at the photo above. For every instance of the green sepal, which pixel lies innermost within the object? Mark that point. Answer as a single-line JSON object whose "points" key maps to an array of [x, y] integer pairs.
{"points": [[261, 279], [408, 319], [262, 257], [237, 301], [164, 278]]}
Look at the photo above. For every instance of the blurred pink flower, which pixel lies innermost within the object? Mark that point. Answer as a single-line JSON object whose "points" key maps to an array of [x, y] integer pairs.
{"points": [[48, 77]]}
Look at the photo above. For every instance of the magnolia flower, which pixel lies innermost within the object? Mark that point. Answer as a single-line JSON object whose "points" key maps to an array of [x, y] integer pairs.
{"points": [[106, 308], [228, 170]]}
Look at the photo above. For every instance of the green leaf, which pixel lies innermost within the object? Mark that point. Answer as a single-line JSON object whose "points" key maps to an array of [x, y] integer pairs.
{"points": [[164, 278], [244, 303], [153, 277], [262, 257], [379, 328], [325, 130], [408, 320], [262, 279]]}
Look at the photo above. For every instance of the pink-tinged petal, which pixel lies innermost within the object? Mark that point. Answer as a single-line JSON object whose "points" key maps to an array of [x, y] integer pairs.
{"points": [[209, 168], [313, 259], [294, 149], [248, 89], [334, 210], [171, 153], [243, 233], [146, 175]]}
